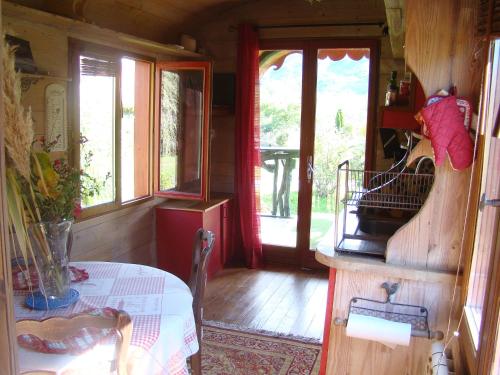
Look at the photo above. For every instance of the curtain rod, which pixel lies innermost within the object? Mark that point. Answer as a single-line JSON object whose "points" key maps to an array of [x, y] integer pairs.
{"points": [[294, 26], [380, 24]]}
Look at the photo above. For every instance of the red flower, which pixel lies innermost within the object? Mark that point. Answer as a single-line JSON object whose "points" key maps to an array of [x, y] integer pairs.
{"points": [[77, 211]]}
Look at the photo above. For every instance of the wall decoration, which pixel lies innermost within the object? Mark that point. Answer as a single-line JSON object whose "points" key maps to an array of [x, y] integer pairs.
{"points": [[55, 116]]}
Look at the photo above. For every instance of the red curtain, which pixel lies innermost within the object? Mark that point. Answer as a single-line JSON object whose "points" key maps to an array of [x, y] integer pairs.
{"points": [[247, 145]]}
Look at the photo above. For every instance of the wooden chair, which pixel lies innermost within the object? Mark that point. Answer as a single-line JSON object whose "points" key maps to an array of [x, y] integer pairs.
{"points": [[58, 328], [197, 283]]}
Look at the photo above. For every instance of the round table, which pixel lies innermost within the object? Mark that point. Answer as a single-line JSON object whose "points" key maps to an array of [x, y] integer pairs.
{"points": [[159, 303]]}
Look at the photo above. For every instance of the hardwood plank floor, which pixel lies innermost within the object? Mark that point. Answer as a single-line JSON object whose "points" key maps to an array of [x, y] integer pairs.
{"points": [[275, 299]]}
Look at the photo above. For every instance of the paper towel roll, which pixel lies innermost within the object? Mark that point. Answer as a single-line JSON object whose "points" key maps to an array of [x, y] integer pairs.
{"points": [[376, 329]]}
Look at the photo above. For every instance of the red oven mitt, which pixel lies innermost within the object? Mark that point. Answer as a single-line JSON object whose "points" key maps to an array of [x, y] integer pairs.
{"points": [[445, 125]]}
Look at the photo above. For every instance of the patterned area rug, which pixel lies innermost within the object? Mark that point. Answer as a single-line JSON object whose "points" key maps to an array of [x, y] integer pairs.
{"points": [[240, 352]]}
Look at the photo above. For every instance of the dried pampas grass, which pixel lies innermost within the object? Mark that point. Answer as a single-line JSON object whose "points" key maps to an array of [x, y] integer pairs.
{"points": [[18, 122]]}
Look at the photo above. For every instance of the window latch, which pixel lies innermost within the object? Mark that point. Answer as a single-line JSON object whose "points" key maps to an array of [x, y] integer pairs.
{"points": [[488, 202]]}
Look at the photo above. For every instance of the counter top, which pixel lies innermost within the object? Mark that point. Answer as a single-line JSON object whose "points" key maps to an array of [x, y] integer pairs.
{"points": [[356, 263], [190, 205]]}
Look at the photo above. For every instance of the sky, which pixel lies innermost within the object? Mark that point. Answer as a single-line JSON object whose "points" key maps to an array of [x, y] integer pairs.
{"points": [[341, 84]]}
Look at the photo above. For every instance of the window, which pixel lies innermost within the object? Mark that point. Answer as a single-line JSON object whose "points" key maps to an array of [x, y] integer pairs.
{"points": [[113, 99], [183, 122], [481, 313]]}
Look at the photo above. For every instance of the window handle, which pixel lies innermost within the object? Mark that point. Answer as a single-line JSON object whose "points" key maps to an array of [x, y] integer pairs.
{"points": [[488, 202], [310, 168]]}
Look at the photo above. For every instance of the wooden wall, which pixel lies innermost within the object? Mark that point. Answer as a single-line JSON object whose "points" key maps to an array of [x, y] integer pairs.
{"points": [[126, 235], [159, 20], [219, 38], [355, 356]]}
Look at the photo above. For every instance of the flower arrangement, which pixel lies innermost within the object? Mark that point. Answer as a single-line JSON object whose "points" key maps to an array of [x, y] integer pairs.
{"points": [[39, 189]]}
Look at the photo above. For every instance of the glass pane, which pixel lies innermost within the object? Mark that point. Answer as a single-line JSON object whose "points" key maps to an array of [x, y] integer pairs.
{"points": [[97, 113], [490, 185], [280, 111], [135, 92], [340, 132], [181, 131]]}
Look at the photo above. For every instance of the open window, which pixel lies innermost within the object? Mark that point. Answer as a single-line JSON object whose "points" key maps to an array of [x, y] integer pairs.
{"points": [[183, 102], [112, 92]]}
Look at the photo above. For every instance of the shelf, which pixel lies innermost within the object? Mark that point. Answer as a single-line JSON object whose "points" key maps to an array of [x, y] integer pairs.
{"points": [[365, 264], [44, 76]]}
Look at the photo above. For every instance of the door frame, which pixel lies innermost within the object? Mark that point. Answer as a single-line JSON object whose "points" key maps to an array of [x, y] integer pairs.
{"points": [[302, 255]]}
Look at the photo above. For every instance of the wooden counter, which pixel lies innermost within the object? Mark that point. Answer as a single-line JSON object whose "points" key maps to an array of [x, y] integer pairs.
{"points": [[197, 206], [359, 276]]}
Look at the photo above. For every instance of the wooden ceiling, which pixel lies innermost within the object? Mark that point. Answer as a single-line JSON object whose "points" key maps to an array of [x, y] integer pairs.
{"points": [[164, 20], [158, 20]]}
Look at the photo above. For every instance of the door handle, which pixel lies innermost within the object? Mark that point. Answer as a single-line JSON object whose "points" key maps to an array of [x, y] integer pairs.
{"points": [[488, 202], [310, 168]]}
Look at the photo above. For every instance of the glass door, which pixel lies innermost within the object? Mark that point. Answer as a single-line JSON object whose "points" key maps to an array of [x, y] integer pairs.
{"points": [[280, 113], [341, 119], [316, 110]]}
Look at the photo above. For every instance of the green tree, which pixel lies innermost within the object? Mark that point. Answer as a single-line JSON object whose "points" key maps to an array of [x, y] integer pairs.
{"points": [[276, 123], [339, 120]]}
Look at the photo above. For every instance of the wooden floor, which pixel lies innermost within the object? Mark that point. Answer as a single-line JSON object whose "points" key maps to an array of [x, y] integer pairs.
{"points": [[274, 299]]}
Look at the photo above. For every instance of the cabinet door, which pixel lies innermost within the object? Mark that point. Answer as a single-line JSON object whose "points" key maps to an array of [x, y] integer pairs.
{"points": [[182, 118], [175, 230]]}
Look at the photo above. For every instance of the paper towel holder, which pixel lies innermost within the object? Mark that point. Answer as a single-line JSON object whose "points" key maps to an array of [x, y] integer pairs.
{"points": [[415, 315]]}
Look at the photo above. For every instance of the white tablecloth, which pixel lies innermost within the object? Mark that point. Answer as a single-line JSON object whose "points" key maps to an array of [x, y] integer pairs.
{"points": [[159, 303]]}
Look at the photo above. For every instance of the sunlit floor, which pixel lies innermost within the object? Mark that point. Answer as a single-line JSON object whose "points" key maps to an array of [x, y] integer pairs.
{"points": [[273, 299], [283, 231]]}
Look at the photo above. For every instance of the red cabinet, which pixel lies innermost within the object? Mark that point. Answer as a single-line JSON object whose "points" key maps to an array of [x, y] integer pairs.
{"points": [[176, 224]]}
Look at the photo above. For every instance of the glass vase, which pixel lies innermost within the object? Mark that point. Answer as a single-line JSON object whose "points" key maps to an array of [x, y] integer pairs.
{"points": [[50, 247]]}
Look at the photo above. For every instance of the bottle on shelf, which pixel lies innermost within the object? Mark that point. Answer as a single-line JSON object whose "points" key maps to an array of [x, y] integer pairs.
{"points": [[391, 96]]}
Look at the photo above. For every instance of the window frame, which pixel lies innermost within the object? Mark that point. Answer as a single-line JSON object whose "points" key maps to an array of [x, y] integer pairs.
{"points": [[206, 68], [479, 361], [76, 48]]}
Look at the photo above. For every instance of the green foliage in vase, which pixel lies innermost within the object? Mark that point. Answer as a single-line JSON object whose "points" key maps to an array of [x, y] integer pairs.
{"points": [[58, 186]]}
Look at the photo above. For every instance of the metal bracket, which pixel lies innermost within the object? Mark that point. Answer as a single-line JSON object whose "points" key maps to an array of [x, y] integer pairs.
{"points": [[391, 289], [488, 202]]}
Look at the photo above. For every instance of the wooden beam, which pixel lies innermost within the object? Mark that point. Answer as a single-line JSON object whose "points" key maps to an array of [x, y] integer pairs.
{"points": [[394, 10]]}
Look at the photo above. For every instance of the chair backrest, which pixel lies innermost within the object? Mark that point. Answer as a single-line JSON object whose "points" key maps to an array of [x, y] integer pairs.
{"points": [[59, 328], [198, 279]]}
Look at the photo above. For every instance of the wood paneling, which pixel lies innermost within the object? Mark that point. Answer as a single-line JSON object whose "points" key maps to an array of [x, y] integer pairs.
{"points": [[125, 235], [66, 27], [354, 356], [159, 20], [433, 238], [439, 57]]}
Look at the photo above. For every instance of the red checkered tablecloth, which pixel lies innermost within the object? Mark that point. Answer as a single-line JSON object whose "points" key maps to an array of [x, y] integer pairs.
{"points": [[160, 305]]}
